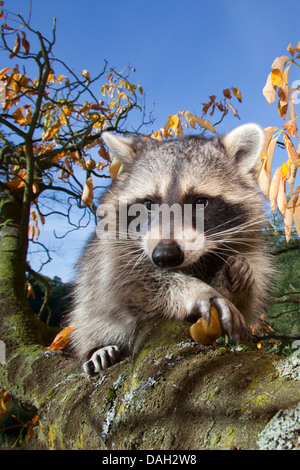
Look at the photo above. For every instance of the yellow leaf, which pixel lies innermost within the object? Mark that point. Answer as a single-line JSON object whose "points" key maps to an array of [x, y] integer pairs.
{"points": [[17, 181], [285, 169], [278, 78], [50, 132], [175, 124], [237, 93], [86, 75]]}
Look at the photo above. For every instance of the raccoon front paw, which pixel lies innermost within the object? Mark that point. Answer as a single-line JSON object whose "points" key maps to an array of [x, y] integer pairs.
{"points": [[101, 359], [232, 321], [239, 273]]}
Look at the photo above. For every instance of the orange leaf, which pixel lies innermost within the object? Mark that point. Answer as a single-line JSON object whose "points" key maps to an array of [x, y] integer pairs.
{"points": [[61, 340], [50, 132], [278, 78], [17, 181]]}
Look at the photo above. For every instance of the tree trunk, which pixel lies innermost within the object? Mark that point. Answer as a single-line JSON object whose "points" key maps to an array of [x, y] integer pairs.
{"points": [[171, 394]]}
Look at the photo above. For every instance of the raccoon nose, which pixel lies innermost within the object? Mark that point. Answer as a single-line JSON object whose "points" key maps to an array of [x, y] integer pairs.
{"points": [[167, 255]]}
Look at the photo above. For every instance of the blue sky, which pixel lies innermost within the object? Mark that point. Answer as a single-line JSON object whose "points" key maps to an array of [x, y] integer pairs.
{"points": [[182, 50]]}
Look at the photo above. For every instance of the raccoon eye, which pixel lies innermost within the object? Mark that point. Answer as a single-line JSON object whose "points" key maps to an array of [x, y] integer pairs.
{"points": [[148, 203], [201, 200]]}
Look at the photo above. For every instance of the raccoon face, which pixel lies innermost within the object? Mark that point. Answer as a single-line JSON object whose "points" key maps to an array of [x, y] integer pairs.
{"points": [[194, 193]]}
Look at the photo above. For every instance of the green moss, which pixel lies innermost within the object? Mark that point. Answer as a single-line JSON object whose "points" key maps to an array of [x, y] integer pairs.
{"points": [[111, 395]]}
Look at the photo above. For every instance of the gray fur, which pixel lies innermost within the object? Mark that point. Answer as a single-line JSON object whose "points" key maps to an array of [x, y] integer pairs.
{"points": [[119, 288]]}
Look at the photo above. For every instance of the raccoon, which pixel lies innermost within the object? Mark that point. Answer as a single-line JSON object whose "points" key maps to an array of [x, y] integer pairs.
{"points": [[124, 281]]}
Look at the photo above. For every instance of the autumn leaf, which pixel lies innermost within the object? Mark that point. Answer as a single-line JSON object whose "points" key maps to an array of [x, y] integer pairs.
{"points": [[5, 402], [17, 181], [61, 340], [227, 93], [192, 119], [292, 153], [234, 111], [175, 125], [19, 116], [25, 43], [237, 93], [16, 48], [269, 90], [278, 78], [289, 216], [297, 215], [86, 75], [274, 188], [50, 132], [280, 62]]}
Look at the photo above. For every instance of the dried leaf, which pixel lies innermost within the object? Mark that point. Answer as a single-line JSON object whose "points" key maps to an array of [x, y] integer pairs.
{"points": [[175, 125], [62, 339], [88, 192], [297, 215], [86, 75], [269, 90], [278, 78], [227, 93], [16, 48], [274, 188], [192, 119], [291, 179], [281, 196], [17, 181], [264, 179], [25, 43], [292, 50], [280, 62], [292, 153], [237, 93], [206, 106], [50, 132], [289, 215], [234, 110]]}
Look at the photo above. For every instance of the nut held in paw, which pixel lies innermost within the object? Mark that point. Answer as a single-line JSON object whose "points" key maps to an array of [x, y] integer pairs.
{"points": [[204, 333]]}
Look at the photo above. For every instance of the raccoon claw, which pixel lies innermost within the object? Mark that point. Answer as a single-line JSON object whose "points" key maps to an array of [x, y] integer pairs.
{"points": [[101, 359], [240, 274], [232, 321]]}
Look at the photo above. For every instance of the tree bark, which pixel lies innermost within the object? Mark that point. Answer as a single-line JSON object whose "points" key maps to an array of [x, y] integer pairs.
{"points": [[171, 394]]}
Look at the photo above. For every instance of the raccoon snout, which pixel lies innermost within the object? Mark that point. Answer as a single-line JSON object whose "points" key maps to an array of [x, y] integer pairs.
{"points": [[167, 254]]}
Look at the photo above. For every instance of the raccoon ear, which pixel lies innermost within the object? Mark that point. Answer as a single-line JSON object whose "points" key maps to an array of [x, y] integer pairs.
{"points": [[244, 145], [120, 146]]}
